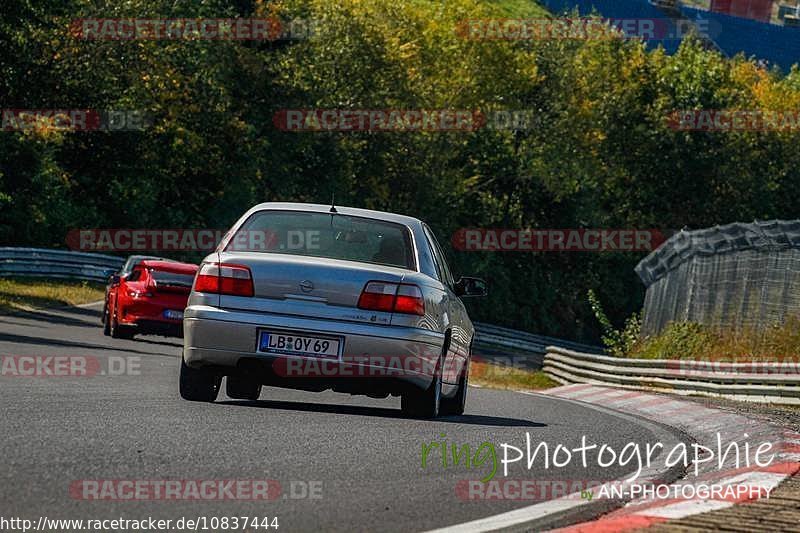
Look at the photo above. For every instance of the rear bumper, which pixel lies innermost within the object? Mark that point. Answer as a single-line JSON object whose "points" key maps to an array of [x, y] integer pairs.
{"points": [[148, 317], [375, 360]]}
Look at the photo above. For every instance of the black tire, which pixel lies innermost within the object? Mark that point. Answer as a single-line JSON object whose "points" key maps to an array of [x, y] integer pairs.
{"points": [[242, 388], [424, 404], [455, 406], [197, 384], [106, 321], [119, 332]]}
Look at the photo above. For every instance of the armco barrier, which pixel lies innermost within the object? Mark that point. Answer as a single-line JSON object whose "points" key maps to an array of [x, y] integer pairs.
{"points": [[45, 263], [526, 342], [752, 382]]}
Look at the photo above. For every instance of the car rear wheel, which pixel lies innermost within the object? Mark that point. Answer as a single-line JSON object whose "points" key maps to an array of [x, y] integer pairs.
{"points": [[198, 384], [242, 388], [424, 404], [119, 332], [455, 406], [106, 321]]}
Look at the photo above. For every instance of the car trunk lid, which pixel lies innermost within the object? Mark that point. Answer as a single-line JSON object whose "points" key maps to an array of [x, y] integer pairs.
{"points": [[308, 286]]}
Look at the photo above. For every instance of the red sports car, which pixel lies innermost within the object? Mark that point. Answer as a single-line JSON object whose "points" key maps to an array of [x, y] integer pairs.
{"points": [[150, 299]]}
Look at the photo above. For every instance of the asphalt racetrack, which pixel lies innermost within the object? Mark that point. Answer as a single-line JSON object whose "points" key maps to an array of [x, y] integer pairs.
{"points": [[343, 463]]}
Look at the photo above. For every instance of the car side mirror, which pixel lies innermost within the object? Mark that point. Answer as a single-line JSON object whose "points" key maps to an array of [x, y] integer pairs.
{"points": [[471, 287], [114, 280]]}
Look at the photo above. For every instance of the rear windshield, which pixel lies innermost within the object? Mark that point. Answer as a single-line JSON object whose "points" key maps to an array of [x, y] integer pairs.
{"points": [[171, 279], [331, 236]]}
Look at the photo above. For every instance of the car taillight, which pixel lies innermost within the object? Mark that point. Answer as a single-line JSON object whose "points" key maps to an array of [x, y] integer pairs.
{"points": [[378, 296], [216, 278], [409, 300], [139, 294], [392, 298]]}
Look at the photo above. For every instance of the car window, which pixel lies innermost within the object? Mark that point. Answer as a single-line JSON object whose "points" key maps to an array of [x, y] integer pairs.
{"points": [[128, 266], [332, 236], [172, 279], [135, 275], [134, 260], [439, 259]]}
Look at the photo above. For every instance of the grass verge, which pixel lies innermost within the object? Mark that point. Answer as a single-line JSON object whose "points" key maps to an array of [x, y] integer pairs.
{"points": [[494, 376], [26, 293], [692, 341]]}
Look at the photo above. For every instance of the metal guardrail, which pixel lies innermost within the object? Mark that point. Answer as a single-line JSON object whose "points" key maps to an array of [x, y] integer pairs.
{"points": [[752, 382], [488, 334], [46, 263], [61, 264]]}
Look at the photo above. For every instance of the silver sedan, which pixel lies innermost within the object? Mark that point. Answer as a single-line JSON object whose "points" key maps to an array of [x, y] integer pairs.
{"points": [[319, 297]]}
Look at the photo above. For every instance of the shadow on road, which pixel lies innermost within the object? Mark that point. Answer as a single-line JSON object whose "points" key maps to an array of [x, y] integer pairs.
{"points": [[174, 344], [475, 420], [60, 318], [38, 341]]}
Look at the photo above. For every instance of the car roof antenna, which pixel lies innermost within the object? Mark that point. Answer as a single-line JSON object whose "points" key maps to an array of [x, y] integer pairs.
{"points": [[333, 207]]}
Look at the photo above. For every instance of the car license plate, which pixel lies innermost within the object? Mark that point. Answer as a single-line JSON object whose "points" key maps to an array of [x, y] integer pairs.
{"points": [[298, 344], [173, 315]]}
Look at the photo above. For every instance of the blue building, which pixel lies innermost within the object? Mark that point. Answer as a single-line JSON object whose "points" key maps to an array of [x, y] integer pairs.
{"points": [[777, 45]]}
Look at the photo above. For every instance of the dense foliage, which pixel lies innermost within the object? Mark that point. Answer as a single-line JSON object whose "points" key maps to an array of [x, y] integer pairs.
{"points": [[600, 155], [691, 341]]}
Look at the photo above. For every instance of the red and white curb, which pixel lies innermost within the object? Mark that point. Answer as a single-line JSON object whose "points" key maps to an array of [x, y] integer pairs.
{"points": [[703, 424]]}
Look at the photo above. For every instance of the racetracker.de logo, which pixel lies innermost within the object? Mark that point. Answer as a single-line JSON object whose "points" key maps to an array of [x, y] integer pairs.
{"points": [[728, 120], [190, 240], [175, 489], [367, 366], [579, 29], [401, 120], [75, 120], [526, 489], [56, 366], [215, 29], [556, 240]]}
